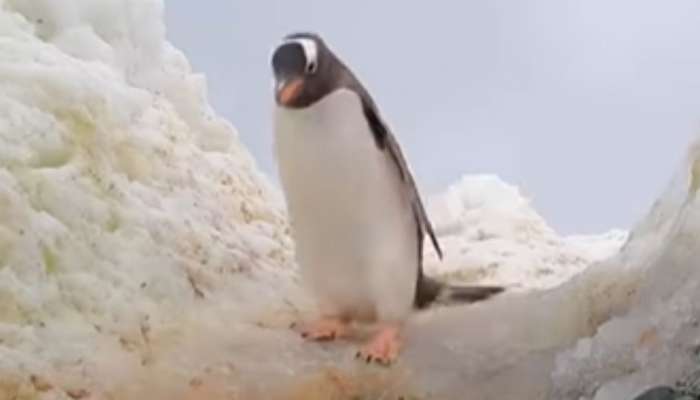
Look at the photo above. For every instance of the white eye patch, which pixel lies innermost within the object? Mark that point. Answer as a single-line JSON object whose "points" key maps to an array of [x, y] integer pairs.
{"points": [[310, 52]]}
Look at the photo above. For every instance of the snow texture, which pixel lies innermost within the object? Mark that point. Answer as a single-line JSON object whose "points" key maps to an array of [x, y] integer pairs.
{"points": [[494, 235], [142, 256], [128, 210]]}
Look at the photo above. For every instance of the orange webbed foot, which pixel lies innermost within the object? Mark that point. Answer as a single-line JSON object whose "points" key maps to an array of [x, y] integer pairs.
{"points": [[324, 329], [383, 348]]}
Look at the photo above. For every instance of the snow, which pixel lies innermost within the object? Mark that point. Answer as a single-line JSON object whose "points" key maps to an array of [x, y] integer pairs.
{"points": [[493, 234], [128, 208], [142, 254]]}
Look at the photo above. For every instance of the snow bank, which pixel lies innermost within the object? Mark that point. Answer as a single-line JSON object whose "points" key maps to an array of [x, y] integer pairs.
{"points": [[128, 210], [492, 234], [143, 257]]}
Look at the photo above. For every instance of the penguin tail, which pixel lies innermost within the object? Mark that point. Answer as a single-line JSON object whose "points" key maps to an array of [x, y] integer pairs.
{"points": [[469, 294], [430, 291]]}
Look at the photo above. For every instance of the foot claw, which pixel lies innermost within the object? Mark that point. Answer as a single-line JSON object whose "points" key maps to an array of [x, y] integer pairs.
{"points": [[383, 348], [324, 330]]}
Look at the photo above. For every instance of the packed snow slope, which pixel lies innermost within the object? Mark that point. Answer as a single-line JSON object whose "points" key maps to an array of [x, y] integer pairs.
{"points": [[128, 210], [142, 256]]}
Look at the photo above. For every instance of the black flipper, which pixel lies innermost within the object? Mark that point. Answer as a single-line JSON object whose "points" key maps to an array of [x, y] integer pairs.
{"points": [[387, 142], [428, 290]]}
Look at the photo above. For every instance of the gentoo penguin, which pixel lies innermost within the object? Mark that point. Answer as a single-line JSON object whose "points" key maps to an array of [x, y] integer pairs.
{"points": [[356, 215]]}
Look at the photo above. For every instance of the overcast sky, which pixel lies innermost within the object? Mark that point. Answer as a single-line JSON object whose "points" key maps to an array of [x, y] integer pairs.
{"points": [[586, 105]]}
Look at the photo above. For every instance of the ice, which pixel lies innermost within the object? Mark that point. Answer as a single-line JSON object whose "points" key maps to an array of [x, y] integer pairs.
{"points": [[143, 256]]}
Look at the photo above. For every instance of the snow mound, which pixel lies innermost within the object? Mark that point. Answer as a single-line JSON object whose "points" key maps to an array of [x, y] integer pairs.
{"points": [[128, 210], [492, 234]]}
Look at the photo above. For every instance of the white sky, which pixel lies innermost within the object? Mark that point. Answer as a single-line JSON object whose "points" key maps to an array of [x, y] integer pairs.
{"points": [[586, 105]]}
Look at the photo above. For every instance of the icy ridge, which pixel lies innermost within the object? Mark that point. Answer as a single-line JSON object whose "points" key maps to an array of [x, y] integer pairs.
{"points": [[653, 337]]}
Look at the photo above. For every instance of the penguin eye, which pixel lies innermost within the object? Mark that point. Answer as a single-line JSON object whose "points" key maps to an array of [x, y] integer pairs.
{"points": [[311, 67]]}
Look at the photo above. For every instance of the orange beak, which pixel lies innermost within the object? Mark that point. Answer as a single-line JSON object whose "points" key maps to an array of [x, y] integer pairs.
{"points": [[290, 91]]}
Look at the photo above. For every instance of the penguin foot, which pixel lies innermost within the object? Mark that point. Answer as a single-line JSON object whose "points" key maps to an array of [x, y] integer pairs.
{"points": [[325, 329], [383, 348]]}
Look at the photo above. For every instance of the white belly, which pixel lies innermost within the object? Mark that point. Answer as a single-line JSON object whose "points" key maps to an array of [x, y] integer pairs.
{"points": [[356, 240]]}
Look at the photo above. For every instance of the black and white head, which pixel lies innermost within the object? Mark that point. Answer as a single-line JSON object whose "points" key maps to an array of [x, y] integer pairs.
{"points": [[305, 70]]}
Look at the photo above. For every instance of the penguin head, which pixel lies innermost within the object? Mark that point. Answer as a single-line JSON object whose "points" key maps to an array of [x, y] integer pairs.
{"points": [[305, 70]]}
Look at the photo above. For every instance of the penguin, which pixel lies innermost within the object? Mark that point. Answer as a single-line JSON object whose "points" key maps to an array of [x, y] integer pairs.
{"points": [[357, 218]]}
